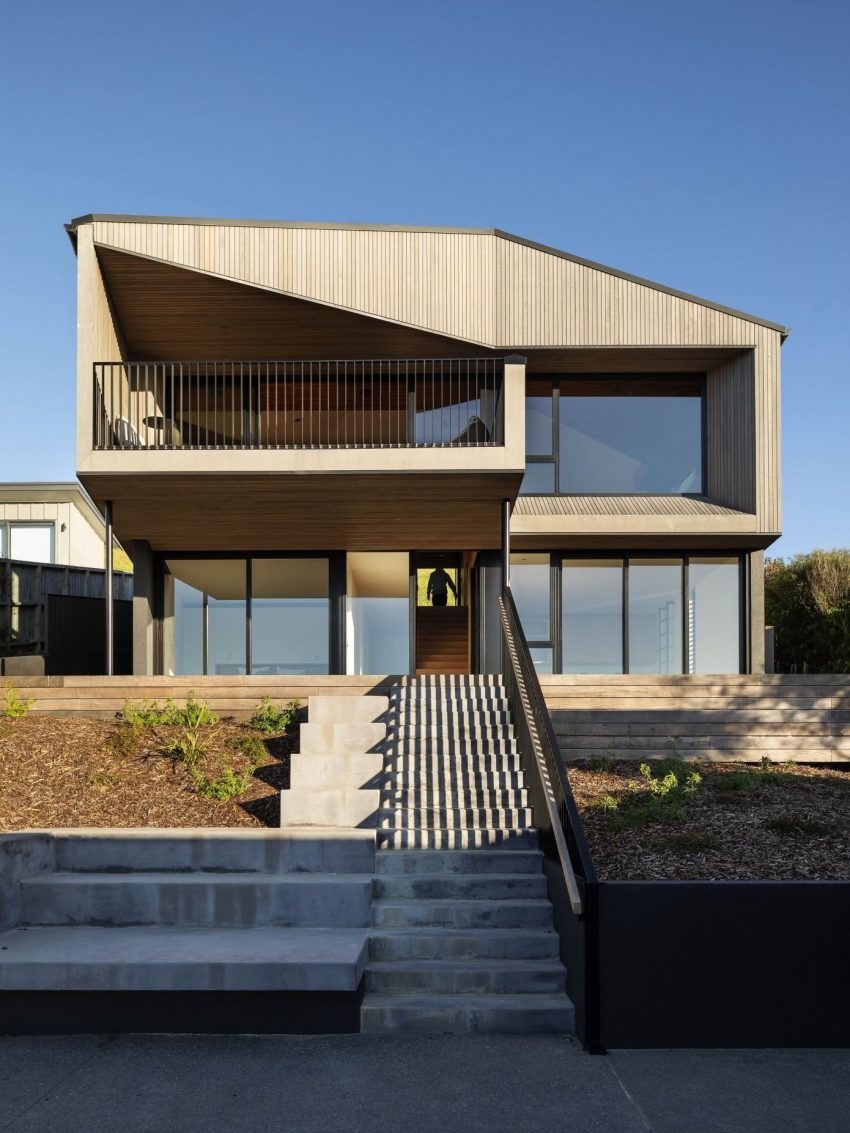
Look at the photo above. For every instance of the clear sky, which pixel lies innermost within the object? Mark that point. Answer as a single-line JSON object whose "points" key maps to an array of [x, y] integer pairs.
{"points": [[705, 145]]}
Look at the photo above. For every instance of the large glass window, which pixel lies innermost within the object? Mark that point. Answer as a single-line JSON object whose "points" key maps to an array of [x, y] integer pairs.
{"points": [[714, 616], [531, 589], [592, 615], [31, 542], [616, 435], [378, 612], [205, 619], [290, 615], [655, 616]]}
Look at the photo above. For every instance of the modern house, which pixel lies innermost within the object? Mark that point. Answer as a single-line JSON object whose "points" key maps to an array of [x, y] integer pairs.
{"points": [[296, 424], [51, 523]]}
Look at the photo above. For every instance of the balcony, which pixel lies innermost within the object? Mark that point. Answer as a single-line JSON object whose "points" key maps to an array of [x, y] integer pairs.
{"points": [[380, 404]]}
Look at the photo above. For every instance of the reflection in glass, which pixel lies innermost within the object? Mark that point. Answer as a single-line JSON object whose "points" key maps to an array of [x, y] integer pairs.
{"points": [[290, 616], [538, 426], [630, 444], [377, 612], [714, 615], [655, 616], [539, 479], [182, 628], [542, 658], [592, 615], [204, 598], [530, 586]]}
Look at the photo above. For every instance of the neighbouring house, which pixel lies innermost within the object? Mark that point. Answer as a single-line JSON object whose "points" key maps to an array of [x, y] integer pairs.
{"points": [[297, 425], [51, 523]]}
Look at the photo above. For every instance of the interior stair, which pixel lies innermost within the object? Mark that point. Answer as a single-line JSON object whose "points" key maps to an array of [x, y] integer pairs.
{"points": [[462, 935]]}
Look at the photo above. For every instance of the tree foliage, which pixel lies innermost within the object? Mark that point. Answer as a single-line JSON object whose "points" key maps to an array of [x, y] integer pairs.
{"points": [[807, 600]]}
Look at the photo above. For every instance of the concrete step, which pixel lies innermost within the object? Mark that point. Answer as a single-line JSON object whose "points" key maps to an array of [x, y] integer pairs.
{"points": [[330, 770], [465, 977], [201, 900], [465, 1014], [461, 749], [453, 680], [450, 767], [430, 839], [453, 796], [329, 806], [463, 944], [318, 850], [423, 778], [440, 862], [182, 959], [347, 709], [341, 739], [462, 913], [451, 732], [435, 700], [458, 886], [442, 818]]}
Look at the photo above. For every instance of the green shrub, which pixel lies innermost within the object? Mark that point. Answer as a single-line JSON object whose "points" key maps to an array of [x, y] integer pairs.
{"points": [[227, 784], [272, 720], [15, 706], [127, 741], [196, 723], [807, 600], [142, 714], [252, 747]]}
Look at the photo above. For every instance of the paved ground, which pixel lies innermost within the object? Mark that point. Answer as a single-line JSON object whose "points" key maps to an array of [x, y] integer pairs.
{"points": [[184, 1084]]}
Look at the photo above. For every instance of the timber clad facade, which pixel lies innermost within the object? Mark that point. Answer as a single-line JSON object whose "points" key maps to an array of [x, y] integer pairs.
{"points": [[301, 427]]}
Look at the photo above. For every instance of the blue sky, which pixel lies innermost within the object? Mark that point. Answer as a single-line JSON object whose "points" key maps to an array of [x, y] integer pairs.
{"points": [[704, 145]]}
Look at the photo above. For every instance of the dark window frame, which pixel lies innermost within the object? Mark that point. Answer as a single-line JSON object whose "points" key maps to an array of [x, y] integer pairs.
{"points": [[556, 561], [557, 380]]}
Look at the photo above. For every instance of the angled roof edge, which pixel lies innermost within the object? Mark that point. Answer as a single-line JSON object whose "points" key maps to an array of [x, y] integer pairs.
{"points": [[90, 218]]}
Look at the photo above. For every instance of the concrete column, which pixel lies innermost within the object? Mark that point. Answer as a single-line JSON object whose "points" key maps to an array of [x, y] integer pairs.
{"points": [[757, 612], [109, 591], [143, 608]]}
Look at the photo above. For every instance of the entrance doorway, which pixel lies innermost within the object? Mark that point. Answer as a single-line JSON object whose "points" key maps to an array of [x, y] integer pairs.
{"points": [[441, 586]]}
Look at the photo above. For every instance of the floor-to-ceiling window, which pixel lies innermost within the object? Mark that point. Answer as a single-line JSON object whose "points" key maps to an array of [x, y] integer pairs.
{"points": [[377, 612], [630, 614], [214, 610], [614, 434]]}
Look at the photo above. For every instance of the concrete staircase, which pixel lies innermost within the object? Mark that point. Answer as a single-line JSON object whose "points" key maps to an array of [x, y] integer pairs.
{"points": [[205, 910], [462, 931]]}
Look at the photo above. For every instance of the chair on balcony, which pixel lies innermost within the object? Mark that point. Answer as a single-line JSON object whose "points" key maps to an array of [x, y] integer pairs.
{"points": [[475, 432], [125, 434]]}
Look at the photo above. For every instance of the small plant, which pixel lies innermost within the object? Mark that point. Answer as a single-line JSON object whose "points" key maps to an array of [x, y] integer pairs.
{"points": [[97, 777], [604, 802], [15, 706], [127, 741], [195, 721], [272, 720], [229, 783], [602, 762], [252, 747], [796, 824], [142, 714]]}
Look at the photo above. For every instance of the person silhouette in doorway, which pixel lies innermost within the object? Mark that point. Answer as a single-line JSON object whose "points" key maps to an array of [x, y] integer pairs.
{"points": [[439, 585]]}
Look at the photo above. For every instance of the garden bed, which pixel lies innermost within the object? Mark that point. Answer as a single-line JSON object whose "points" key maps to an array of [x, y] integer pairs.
{"points": [[61, 772], [683, 821]]}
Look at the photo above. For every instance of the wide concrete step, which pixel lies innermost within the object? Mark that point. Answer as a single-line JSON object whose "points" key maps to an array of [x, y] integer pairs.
{"points": [[199, 900], [457, 717], [347, 709], [453, 796], [362, 770], [460, 748], [155, 958], [329, 806], [443, 818], [440, 862], [436, 701], [462, 913], [449, 767], [466, 977], [464, 944], [341, 739], [318, 850], [474, 887], [431, 839], [467, 1014], [454, 731]]}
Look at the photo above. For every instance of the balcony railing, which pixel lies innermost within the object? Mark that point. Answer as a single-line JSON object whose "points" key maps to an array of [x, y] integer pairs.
{"points": [[429, 402]]}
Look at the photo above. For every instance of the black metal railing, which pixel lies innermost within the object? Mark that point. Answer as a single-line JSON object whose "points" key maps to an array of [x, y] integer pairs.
{"points": [[553, 805], [433, 402]]}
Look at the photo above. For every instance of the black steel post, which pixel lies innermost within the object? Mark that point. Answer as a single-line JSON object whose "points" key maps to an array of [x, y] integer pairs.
{"points": [[506, 545], [108, 595]]}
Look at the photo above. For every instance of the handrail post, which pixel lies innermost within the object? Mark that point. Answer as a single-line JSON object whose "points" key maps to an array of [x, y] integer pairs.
{"points": [[108, 599], [507, 507]]}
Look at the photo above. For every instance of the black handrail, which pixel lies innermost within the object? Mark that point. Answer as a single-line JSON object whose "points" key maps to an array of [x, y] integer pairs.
{"points": [[554, 809]]}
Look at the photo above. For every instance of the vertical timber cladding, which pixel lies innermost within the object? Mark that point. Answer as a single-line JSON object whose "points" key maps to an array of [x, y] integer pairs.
{"points": [[496, 291]]}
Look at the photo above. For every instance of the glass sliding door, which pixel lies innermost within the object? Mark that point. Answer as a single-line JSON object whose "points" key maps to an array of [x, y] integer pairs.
{"points": [[655, 616], [204, 625], [531, 586], [377, 612], [592, 616], [290, 615], [714, 616]]}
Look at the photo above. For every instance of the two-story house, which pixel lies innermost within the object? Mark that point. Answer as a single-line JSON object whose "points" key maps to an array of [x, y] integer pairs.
{"points": [[304, 430]]}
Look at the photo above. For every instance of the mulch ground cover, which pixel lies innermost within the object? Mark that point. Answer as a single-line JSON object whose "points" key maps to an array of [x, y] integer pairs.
{"points": [[736, 822], [58, 771]]}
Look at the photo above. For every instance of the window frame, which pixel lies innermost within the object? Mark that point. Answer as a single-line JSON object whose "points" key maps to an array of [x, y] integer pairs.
{"points": [[556, 561], [6, 527], [556, 380]]}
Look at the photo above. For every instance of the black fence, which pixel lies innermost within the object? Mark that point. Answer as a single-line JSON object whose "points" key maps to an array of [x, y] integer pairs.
{"points": [[430, 402], [76, 636]]}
